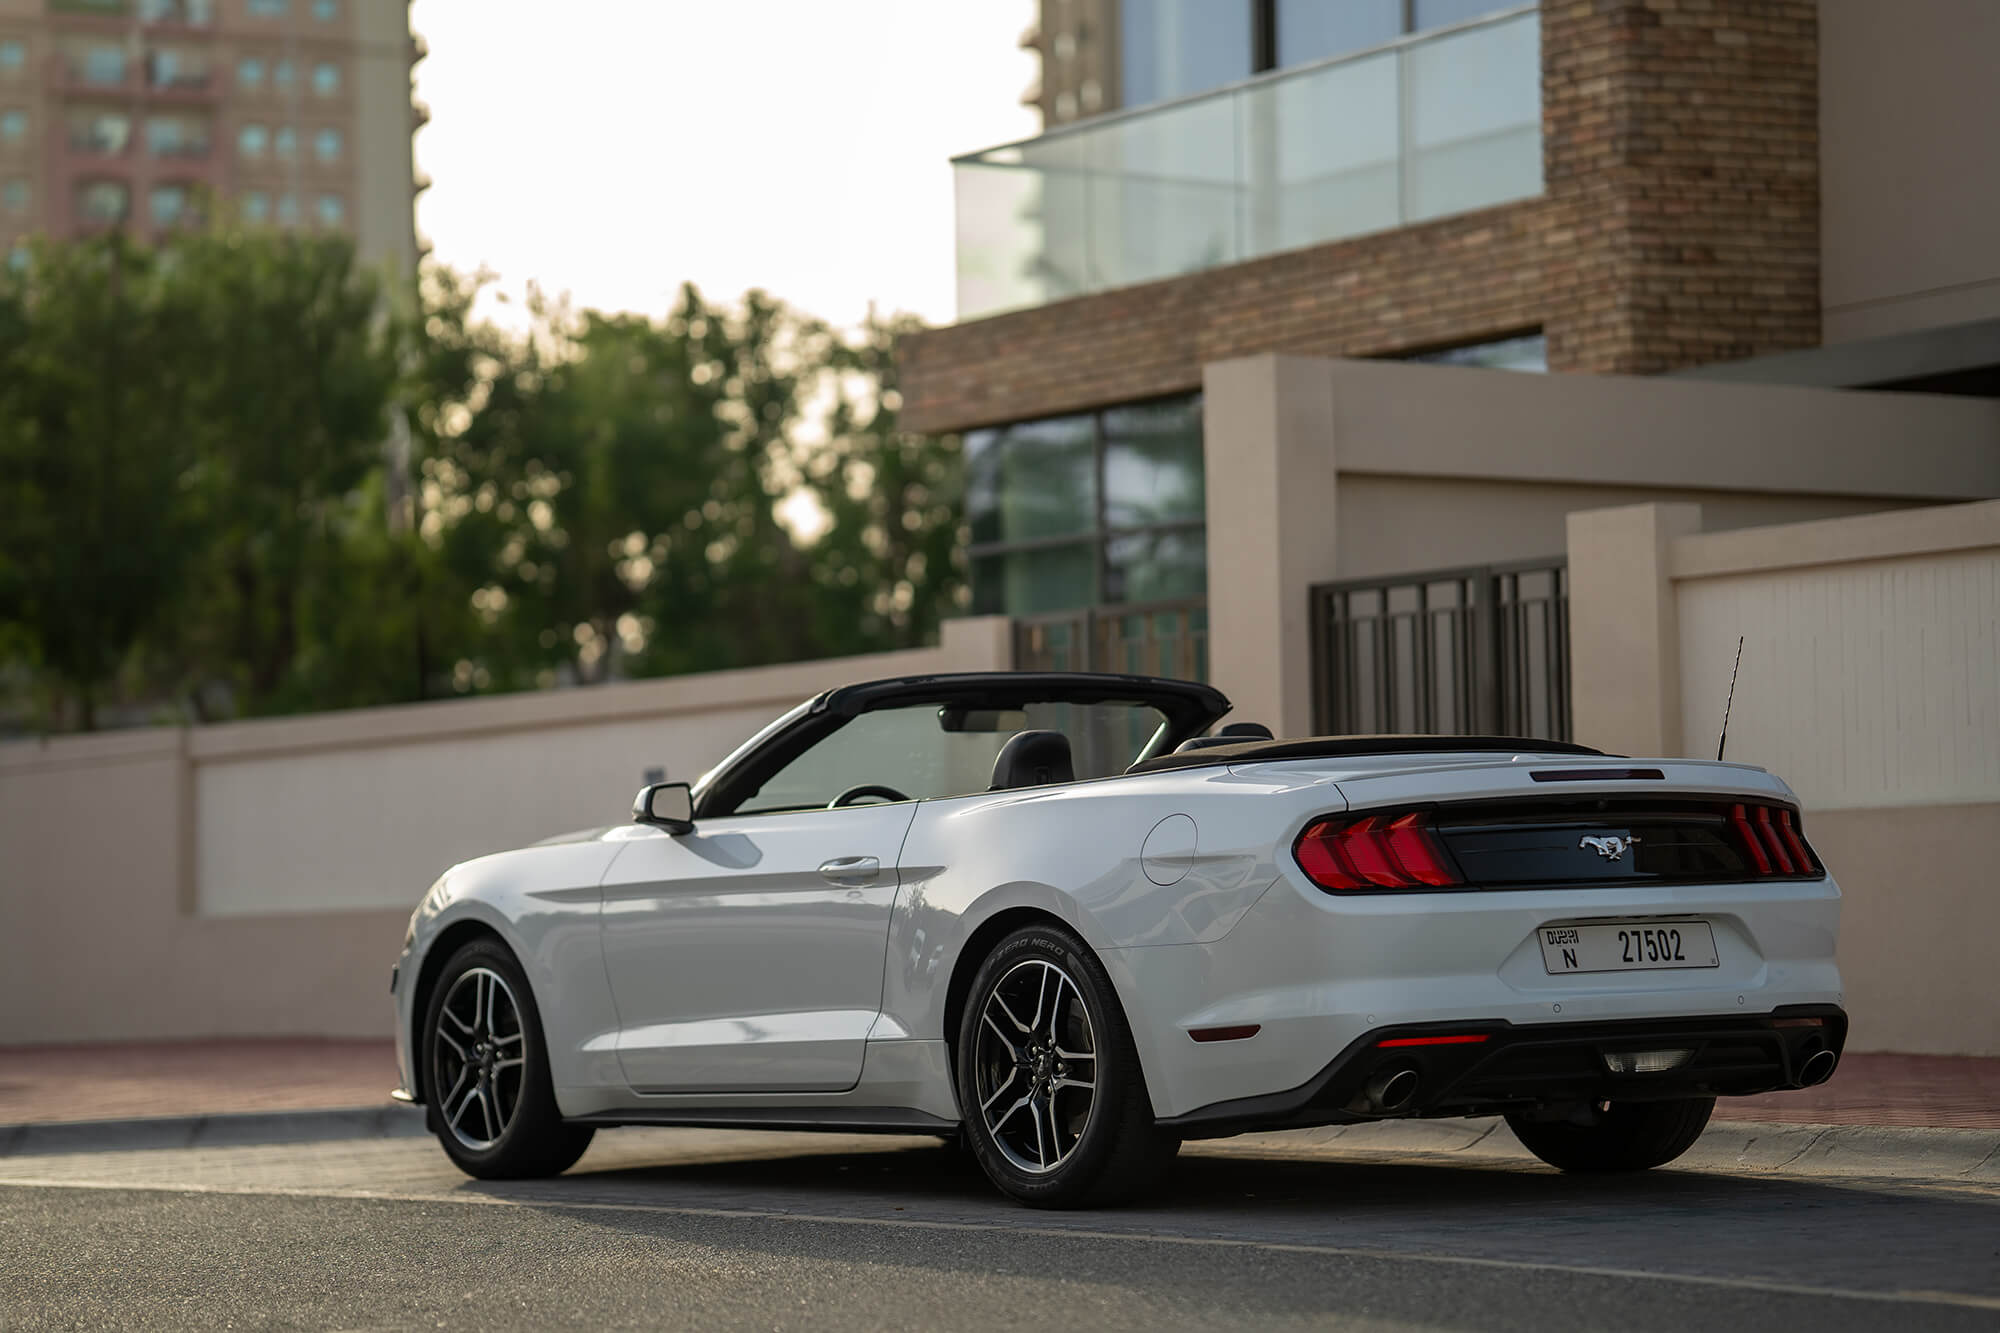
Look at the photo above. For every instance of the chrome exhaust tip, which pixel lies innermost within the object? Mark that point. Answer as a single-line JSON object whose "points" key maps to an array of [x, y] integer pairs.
{"points": [[1817, 1069], [1392, 1089]]}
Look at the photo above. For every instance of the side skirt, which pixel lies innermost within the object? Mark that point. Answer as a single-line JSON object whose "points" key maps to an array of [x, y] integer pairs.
{"points": [[821, 1119]]}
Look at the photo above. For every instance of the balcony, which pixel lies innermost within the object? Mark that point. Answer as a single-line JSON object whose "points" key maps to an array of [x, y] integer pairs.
{"points": [[1439, 123]]}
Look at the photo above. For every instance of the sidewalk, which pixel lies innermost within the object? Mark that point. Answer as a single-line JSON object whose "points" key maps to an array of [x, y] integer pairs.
{"points": [[45, 1084]]}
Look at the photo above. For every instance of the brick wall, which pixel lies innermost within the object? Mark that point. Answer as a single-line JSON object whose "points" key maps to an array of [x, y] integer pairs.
{"points": [[1680, 225]]}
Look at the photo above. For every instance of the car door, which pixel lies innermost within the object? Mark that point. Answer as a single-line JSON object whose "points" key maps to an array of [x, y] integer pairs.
{"points": [[746, 956]]}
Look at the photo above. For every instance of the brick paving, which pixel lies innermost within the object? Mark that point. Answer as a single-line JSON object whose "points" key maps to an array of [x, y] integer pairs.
{"points": [[129, 1080], [39, 1084]]}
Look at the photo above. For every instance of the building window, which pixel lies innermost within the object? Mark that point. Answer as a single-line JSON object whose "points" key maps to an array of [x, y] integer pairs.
{"points": [[326, 78], [1105, 507], [332, 210], [326, 11], [1527, 351], [251, 140], [1174, 48], [283, 75], [269, 9], [256, 207], [13, 126], [106, 132], [169, 136], [104, 65], [288, 209], [168, 203], [285, 143], [14, 195], [250, 73], [13, 56], [326, 145], [104, 201]]}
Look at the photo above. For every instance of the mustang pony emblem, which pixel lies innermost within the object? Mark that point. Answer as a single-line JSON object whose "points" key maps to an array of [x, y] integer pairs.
{"points": [[1612, 848]]}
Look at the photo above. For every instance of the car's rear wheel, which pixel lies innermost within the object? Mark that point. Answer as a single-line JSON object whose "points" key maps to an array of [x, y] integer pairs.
{"points": [[1054, 1103], [492, 1104], [1628, 1136]]}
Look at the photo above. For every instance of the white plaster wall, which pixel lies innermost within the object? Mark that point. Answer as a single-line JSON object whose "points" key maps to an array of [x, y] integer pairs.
{"points": [[1864, 685], [373, 826]]}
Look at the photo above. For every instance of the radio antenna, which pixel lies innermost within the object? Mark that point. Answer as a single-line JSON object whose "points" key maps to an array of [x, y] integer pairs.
{"points": [[1723, 739]]}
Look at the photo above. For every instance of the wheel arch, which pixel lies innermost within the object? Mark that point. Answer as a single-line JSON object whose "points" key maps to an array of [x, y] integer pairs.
{"points": [[448, 942]]}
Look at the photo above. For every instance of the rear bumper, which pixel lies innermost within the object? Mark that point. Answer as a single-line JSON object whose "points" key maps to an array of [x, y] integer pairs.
{"points": [[1515, 1067]]}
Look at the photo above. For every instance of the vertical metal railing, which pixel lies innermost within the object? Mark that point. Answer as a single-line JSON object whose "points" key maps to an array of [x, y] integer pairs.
{"points": [[1482, 650]]}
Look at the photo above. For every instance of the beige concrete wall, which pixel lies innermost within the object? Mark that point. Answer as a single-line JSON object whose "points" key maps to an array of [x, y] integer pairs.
{"points": [[1909, 164], [1320, 470], [253, 879], [1870, 682], [1918, 915]]}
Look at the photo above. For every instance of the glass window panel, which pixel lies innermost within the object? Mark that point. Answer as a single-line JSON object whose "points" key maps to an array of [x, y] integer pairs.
{"points": [[251, 139], [326, 145], [1035, 479], [104, 64], [325, 11], [1171, 48], [282, 74], [1443, 13], [1152, 463], [1529, 352], [1156, 566], [1160, 193], [168, 202], [326, 78], [256, 207], [286, 144], [14, 195], [250, 72], [1310, 30], [13, 55], [13, 125], [288, 209], [1475, 119], [1019, 583]]}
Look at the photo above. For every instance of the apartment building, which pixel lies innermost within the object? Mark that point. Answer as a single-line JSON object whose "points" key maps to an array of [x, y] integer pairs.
{"points": [[146, 113], [1232, 199]]}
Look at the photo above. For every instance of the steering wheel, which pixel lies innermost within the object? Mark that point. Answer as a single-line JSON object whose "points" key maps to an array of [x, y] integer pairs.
{"points": [[853, 794]]}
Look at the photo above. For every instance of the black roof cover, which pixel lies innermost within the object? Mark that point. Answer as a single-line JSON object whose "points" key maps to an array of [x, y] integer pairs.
{"points": [[1333, 747], [1181, 700]]}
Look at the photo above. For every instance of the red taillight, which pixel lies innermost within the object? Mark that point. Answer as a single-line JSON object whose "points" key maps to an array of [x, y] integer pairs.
{"points": [[1772, 839], [1800, 855], [1455, 1039], [1375, 852], [1740, 817]]}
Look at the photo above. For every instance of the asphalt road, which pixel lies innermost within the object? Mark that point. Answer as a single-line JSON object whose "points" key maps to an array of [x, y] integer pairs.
{"points": [[692, 1229]]}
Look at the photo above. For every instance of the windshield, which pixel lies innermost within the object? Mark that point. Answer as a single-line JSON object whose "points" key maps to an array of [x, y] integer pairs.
{"points": [[924, 751]]}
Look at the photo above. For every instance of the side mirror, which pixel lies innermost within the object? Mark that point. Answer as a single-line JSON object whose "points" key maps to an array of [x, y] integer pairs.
{"points": [[667, 805]]}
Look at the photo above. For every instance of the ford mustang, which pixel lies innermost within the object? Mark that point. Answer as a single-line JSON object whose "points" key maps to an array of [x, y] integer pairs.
{"points": [[1067, 922]]}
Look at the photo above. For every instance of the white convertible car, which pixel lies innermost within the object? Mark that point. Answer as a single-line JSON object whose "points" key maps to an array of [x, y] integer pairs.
{"points": [[1051, 916]]}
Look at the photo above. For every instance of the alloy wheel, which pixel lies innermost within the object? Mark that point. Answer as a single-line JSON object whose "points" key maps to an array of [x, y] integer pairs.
{"points": [[479, 1058], [1036, 1076]]}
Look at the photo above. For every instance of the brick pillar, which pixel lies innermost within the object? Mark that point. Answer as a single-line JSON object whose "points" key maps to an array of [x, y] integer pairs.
{"points": [[1680, 143]]}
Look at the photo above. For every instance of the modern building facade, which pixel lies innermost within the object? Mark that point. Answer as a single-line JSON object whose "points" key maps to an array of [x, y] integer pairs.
{"points": [[144, 113], [1776, 192]]}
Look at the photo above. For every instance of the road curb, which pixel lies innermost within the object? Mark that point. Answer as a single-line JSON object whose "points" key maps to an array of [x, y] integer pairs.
{"points": [[1804, 1149], [233, 1130]]}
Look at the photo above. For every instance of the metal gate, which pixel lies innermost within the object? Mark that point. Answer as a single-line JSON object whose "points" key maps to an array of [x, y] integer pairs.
{"points": [[1482, 651]]}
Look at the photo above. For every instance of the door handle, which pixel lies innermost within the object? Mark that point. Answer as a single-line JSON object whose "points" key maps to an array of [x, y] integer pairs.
{"points": [[851, 869]]}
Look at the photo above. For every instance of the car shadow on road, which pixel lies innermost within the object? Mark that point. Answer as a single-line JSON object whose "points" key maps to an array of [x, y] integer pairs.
{"points": [[1880, 1235]]}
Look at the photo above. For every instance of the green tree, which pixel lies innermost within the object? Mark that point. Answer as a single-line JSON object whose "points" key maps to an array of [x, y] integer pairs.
{"points": [[93, 455]]}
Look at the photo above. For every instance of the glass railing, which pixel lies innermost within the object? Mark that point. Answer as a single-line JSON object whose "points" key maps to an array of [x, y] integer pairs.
{"points": [[1440, 123]]}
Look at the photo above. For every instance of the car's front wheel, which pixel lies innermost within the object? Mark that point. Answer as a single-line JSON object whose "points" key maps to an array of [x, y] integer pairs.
{"points": [[1627, 1136], [492, 1104], [1054, 1103]]}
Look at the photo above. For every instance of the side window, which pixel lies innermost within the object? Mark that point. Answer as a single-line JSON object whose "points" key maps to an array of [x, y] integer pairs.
{"points": [[905, 749]]}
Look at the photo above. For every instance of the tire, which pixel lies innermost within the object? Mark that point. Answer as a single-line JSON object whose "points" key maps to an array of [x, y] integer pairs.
{"points": [[1631, 1136], [493, 1110], [1058, 1144]]}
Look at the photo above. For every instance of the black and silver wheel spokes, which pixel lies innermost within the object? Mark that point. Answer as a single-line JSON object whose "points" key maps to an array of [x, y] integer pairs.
{"points": [[1035, 1065], [480, 1058]]}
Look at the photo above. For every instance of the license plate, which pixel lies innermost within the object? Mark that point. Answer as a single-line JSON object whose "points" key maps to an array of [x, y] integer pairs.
{"points": [[1627, 946]]}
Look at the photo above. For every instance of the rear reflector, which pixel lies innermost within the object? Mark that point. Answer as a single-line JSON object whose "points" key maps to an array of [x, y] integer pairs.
{"points": [[1375, 852], [1455, 1039], [1237, 1033]]}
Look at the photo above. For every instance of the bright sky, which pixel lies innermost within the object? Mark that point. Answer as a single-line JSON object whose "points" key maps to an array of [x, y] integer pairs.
{"points": [[616, 148]]}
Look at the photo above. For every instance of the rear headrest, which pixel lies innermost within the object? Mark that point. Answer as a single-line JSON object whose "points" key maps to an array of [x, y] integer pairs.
{"points": [[1246, 731], [1033, 759]]}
